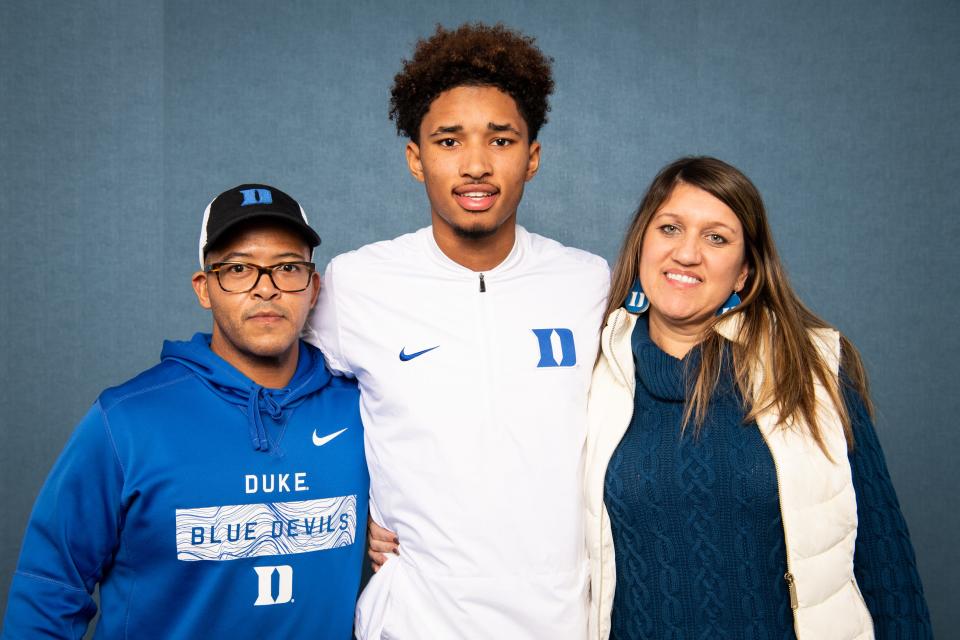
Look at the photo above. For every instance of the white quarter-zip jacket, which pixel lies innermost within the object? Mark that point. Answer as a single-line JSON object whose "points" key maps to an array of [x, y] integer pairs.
{"points": [[473, 397]]}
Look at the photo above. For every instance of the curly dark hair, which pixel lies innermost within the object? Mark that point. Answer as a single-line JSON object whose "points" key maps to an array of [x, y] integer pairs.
{"points": [[477, 55]]}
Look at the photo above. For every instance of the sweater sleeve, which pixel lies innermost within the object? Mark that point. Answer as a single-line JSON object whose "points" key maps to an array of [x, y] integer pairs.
{"points": [[70, 540], [884, 563]]}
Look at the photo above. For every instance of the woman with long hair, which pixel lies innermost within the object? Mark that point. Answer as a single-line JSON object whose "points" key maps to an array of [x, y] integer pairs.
{"points": [[735, 486]]}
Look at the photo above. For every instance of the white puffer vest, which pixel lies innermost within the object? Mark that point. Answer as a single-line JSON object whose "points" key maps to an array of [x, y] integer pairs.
{"points": [[817, 499]]}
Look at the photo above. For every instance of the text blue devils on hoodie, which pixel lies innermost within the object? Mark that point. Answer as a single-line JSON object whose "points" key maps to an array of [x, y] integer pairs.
{"points": [[204, 505]]}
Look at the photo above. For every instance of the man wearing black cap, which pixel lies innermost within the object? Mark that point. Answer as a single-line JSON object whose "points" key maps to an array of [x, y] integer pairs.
{"points": [[222, 493]]}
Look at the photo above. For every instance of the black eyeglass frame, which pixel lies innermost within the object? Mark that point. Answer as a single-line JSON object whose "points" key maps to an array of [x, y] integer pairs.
{"points": [[217, 266]]}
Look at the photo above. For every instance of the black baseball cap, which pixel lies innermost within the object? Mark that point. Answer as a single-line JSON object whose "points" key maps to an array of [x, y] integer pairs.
{"points": [[252, 202]]}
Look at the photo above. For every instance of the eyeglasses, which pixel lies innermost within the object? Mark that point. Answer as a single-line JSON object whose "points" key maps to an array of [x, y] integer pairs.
{"points": [[241, 277]]}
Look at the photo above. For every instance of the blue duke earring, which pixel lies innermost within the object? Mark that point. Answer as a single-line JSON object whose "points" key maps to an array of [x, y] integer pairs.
{"points": [[731, 302], [636, 301]]}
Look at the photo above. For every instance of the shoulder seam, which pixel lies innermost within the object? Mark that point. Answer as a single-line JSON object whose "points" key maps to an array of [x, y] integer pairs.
{"points": [[123, 471], [341, 355], [113, 442], [138, 392]]}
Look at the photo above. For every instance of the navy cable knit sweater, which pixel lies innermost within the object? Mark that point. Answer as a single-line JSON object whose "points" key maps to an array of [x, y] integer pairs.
{"points": [[696, 521]]}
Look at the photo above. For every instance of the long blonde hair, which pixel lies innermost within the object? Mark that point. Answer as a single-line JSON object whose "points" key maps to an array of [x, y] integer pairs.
{"points": [[774, 321]]}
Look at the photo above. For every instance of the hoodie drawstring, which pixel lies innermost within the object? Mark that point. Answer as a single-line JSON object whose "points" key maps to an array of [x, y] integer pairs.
{"points": [[232, 386], [258, 433]]}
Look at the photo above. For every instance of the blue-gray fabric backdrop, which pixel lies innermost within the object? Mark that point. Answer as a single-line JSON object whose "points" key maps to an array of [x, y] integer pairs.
{"points": [[119, 120]]}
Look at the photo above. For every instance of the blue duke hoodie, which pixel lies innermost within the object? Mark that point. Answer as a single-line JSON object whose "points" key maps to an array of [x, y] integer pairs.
{"points": [[204, 505]]}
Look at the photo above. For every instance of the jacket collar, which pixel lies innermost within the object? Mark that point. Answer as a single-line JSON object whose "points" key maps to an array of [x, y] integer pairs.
{"points": [[520, 248]]}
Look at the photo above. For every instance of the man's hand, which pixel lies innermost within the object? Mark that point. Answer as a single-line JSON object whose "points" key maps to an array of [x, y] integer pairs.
{"points": [[380, 541]]}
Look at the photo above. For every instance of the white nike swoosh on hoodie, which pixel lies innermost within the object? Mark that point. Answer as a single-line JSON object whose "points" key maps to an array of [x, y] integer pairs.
{"points": [[319, 442]]}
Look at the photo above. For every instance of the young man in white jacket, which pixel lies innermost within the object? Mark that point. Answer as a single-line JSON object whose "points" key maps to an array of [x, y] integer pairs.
{"points": [[473, 342]]}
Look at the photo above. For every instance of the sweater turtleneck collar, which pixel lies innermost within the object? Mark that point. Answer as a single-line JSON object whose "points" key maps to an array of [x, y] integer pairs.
{"points": [[660, 373]]}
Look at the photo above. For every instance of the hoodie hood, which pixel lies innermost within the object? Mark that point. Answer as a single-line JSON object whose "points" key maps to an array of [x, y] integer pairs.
{"points": [[257, 402]]}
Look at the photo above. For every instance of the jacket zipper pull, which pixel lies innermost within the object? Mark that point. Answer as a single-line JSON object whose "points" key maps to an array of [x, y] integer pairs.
{"points": [[483, 285], [792, 588]]}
